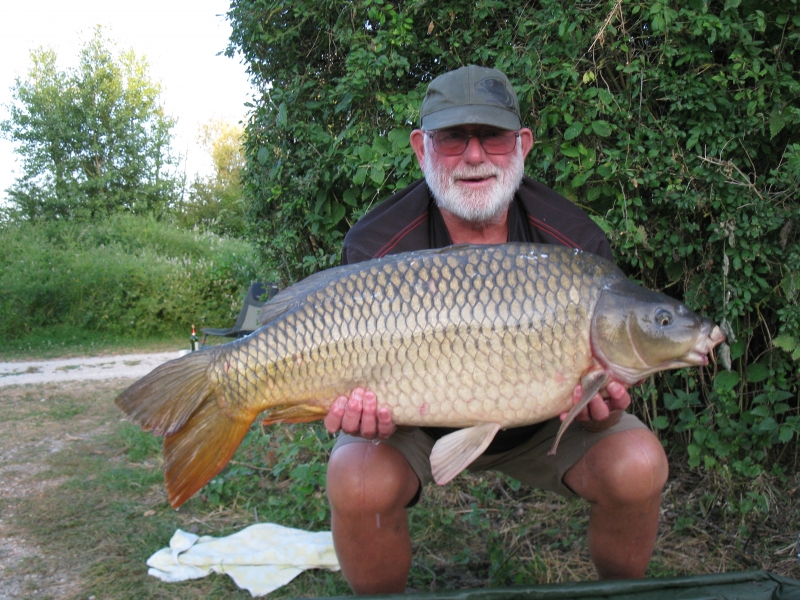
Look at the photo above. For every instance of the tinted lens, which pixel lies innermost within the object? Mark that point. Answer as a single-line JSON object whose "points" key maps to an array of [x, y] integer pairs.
{"points": [[454, 142]]}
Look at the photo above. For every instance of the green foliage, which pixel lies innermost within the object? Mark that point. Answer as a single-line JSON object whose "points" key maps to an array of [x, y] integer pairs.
{"points": [[94, 139], [127, 275], [279, 472], [216, 203], [673, 124]]}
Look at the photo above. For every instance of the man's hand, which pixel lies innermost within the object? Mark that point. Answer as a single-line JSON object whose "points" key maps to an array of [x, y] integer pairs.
{"points": [[359, 415], [603, 411]]}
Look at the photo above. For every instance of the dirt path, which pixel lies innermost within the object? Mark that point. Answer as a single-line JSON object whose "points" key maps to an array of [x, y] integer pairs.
{"points": [[82, 369]]}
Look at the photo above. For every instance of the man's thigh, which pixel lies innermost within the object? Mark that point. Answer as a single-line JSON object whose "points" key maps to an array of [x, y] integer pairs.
{"points": [[528, 463], [531, 465]]}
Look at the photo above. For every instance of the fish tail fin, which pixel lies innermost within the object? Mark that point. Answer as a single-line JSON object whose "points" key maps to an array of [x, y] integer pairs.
{"points": [[179, 401], [201, 449], [165, 398]]}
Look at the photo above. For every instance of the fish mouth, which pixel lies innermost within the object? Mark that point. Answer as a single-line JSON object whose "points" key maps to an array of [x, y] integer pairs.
{"points": [[698, 356]]}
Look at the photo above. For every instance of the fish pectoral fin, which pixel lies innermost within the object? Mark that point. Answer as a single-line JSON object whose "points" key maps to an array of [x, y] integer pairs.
{"points": [[591, 383], [301, 413], [454, 452]]}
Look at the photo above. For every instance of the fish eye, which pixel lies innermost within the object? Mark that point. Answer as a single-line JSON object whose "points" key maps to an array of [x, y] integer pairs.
{"points": [[663, 317]]}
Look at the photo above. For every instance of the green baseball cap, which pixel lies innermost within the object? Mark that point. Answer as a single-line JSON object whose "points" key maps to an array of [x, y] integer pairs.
{"points": [[470, 95]]}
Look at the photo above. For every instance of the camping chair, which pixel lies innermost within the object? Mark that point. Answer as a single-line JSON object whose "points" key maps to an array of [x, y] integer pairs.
{"points": [[247, 321]]}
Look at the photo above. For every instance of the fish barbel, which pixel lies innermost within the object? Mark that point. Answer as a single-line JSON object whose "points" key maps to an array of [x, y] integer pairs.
{"points": [[476, 337]]}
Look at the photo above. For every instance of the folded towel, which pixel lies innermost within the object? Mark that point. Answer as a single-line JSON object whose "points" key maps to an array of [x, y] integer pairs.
{"points": [[259, 558]]}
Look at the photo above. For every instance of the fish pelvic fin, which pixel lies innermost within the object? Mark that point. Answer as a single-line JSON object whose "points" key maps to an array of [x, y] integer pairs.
{"points": [[302, 413], [591, 383], [454, 452], [202, 447], [165, 398]]}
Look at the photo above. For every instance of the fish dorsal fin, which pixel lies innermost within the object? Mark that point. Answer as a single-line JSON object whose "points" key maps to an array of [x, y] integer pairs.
{"points": [[288, 298], [454, 452]]}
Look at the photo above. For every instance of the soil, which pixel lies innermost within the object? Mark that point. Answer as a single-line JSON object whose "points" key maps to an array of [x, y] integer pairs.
{"points": [[25, 388]]}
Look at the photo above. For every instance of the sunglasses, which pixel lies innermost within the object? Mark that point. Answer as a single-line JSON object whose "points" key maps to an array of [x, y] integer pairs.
{"points": [[452, 142]]}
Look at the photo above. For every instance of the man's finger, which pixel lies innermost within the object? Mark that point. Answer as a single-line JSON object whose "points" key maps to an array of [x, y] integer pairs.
{"points": [[369, 425], [598, 409], [385, 424], [618, 394], [351, 422], [333, 420]]}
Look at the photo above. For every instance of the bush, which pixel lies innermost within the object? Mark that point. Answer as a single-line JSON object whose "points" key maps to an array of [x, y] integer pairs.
{"points": [[126, 274], [674, 124]]}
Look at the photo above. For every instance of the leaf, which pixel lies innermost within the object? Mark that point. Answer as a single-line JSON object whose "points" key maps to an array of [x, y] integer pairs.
{"points": [[725, 381], [601, 128], [399, 138], [360, 177], [785, 342], [365, 153], [377, 174], [337, 214], [573, 131], [263, 155], [350, 196], [281, 119], [757, 372], [581, 178], [786, 434], [344, 104], [661, 422], [569, 151], [776, 123]]}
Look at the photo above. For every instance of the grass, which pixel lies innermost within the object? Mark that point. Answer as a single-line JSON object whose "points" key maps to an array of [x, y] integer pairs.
{"points": [[91, 509], [68, 342]]}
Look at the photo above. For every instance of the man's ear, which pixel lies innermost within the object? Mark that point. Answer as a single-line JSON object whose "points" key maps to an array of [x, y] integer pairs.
{"points": [[418, 144], [526, 140]]}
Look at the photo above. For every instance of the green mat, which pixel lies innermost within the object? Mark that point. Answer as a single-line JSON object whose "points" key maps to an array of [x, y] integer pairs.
{"points": [[752, 585]]}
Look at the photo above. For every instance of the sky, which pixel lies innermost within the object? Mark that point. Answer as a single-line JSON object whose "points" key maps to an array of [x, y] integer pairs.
{"points": [[181, 40]]}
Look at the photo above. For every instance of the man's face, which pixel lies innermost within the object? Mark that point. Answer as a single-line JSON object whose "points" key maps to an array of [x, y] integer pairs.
{"points": [[473, 185]]}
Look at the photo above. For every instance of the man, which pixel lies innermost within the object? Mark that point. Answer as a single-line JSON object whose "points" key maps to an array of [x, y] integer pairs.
{"points": [[471, 147]]}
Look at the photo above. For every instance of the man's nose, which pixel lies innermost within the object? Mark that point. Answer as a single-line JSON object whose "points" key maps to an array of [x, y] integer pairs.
{"points": [[474, 152]]}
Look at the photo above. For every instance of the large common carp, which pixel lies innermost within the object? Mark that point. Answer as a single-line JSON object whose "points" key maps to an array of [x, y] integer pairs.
{"points": [[476, 337]]}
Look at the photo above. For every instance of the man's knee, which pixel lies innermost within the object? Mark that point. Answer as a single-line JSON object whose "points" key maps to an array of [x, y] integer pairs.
{"points": [[369, 477], [628, 467]]}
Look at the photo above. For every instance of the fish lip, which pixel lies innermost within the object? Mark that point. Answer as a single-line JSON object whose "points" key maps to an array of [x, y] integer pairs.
{"points": [[711, 337]]}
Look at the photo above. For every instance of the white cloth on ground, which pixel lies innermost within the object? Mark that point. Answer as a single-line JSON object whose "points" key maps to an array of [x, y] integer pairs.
{"points": [[259, 558]]}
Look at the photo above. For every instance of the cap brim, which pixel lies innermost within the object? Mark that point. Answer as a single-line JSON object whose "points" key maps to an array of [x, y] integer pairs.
{"points": [[471, 114]]}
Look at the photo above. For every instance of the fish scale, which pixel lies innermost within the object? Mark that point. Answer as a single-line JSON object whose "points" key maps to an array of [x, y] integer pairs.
{"points": [[474, 337], [485, 337]]}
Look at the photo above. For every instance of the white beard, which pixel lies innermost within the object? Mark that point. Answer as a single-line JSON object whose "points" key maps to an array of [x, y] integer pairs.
{"points": [[474, 206]]}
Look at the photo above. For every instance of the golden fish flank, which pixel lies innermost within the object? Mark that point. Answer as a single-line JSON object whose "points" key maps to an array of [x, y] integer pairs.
{"points": [[477, 337]]}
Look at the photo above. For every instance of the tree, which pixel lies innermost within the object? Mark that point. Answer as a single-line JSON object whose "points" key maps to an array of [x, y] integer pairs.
{"points": [[674, 124], [216, 202], [93, 139]]}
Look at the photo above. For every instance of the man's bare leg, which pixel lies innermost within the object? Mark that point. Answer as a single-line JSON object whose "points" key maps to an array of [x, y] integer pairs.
{"points": [[369, 487], [622, 476]]}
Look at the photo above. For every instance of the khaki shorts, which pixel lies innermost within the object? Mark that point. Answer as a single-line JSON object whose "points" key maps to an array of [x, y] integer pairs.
{"points": [[527, 463]]}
